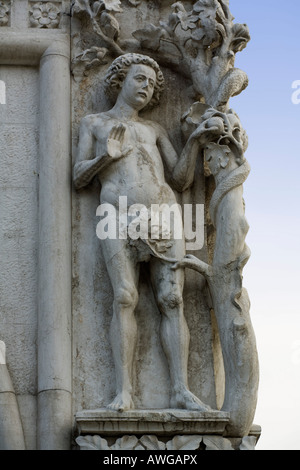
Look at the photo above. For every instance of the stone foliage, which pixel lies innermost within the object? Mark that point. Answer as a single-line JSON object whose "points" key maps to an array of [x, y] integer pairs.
{"points": [[152, 442]]}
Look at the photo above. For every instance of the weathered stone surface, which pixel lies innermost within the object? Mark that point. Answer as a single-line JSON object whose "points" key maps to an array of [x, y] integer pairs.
{"points": [[159, 422], [19, 232], [23, 119], [226, 162], [90, 272], [187, 442], [133, 159], [54, 363]]}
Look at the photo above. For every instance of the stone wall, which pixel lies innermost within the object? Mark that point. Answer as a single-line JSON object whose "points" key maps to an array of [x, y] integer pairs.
{"points": [[19, 234]]}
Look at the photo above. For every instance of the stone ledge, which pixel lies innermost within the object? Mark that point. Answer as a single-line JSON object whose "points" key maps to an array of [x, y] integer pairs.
{"points": [[159, 422]]}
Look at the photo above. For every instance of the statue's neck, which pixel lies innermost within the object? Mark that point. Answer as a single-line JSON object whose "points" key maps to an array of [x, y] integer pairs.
{"points": [[124, 111]]}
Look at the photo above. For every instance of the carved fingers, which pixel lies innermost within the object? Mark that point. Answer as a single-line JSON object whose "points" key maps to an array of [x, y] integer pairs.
{"points": [[215, 123], [186, 262], [209, 129], [192, 262], [117, 132], [115, 142]]}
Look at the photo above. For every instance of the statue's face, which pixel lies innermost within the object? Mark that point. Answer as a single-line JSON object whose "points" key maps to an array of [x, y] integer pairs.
{"points": [[138, 86]]}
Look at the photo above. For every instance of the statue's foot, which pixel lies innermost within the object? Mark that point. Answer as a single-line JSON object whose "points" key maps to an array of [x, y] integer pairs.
{"points": [[122, 402], [188, 401]]}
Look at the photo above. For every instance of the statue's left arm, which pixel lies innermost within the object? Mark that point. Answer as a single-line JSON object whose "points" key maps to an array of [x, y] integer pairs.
{"points": [[182, 168]]}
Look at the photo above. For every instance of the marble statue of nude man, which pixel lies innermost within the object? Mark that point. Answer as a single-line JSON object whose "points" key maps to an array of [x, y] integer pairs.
{"points": [[128, 154]]}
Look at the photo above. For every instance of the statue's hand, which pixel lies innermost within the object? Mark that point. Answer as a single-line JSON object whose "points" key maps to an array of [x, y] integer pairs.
{"points": [[115, 143], [188, 261], [209, 129], [192, 262]]}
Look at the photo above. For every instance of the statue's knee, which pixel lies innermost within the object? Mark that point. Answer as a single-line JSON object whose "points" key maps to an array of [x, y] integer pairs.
{"points": [[126, 297], [170, 301]]}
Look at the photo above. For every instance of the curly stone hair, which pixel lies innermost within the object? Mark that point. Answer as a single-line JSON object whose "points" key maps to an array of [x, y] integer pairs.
{"points": [[118, 70]]}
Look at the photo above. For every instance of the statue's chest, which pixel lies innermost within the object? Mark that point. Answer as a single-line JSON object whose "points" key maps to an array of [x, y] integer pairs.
{"points": [[140, 134], [135, 132]]}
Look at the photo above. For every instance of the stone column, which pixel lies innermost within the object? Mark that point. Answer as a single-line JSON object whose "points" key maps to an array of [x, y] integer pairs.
{"points": [[54, 300]]}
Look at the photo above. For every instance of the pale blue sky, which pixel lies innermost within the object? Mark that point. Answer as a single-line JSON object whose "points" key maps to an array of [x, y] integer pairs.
{"points": [[272, 195]]}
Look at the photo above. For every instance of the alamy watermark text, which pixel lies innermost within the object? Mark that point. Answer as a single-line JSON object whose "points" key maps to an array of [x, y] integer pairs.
{"points": [[157, 222]]}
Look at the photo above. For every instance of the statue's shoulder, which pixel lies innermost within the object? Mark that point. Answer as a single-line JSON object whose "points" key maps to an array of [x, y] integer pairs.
{"points": [[95, 118], [159, 130]]}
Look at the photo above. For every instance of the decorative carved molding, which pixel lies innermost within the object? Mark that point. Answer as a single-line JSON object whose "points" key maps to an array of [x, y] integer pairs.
{"points": [[45, 15], [5, 6], [151, 442], [165, 422]]}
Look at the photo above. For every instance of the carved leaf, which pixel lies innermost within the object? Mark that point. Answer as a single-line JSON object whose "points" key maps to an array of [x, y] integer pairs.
{"points": [[152, 443], [223, 14], [139, 447], [208, 8], [93, 57], [92, 443], [208, 33], [89, 55], [248, 443], [224, 10], [187, 21], [184, 443], [150, 36], [217, 443], [241, 37], [94, 8], [212, 19], [180, 16], [125, 443], [109, 25], [81, 6]]}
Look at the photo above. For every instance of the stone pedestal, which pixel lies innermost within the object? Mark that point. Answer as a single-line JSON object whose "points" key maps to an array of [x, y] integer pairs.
{"points": [[158, 430]]}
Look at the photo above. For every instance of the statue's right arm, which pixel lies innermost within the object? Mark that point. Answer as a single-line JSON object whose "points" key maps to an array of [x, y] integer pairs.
{"points": [[86, 168]]}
